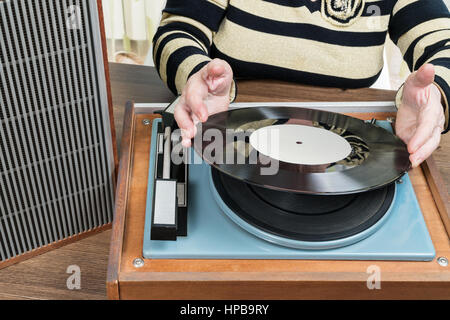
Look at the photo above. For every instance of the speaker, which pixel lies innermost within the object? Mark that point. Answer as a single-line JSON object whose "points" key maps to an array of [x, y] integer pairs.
{"points": [[58, 152]]}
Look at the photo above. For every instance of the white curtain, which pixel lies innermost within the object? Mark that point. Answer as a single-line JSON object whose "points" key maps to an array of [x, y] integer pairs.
{"points": [[130, 26]]}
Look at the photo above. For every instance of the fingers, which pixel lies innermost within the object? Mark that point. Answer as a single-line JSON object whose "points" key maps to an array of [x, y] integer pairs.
{"points": [[183, 117], [426, 149], [424, 122], [211, 83], [194, 100], [430, 116], [422, 133], [191, 108], [423, 77]]}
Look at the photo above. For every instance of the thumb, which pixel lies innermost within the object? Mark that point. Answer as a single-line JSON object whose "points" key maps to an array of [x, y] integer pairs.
{"points": [[216, 68], [218, 75], [424, 76]]}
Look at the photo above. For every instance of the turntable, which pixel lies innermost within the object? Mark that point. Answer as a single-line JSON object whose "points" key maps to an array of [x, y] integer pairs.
{"points": [[220, 216], [341, 194]]}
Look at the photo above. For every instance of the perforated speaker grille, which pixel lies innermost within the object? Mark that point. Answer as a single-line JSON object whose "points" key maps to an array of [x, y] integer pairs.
{"points": [[56, 161]]}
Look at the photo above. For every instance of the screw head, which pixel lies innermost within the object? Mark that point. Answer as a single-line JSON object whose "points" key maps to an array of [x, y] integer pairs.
{"points": [[138, 263], [390, 119], [146, 122], [443, 261]]}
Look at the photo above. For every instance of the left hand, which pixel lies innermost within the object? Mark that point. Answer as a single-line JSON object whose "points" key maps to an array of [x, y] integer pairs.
{"points": [[420, 118]]}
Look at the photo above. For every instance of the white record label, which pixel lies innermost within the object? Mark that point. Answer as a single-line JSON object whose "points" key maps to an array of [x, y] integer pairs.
{"points": [[300, 144]]}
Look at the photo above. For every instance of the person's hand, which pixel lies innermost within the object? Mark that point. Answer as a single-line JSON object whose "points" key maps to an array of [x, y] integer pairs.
{"points": [[420, 118], [206, 92]]}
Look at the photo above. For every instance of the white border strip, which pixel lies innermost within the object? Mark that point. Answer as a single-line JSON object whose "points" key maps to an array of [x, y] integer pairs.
{"points": [[343, 107]]}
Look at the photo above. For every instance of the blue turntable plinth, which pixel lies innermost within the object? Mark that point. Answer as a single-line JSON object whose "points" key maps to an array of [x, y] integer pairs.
{"points": [[215, 233]]}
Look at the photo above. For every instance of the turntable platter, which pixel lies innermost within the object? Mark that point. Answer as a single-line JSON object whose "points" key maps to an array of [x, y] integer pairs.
{"points": [[301, 150], [299, 220]]}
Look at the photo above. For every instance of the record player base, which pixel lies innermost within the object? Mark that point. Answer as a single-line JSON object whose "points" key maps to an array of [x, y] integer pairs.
{"points": [[259, 279]]}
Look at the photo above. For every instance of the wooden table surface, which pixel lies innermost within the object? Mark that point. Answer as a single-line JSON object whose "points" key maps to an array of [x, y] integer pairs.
{"points": [[44, 277]]}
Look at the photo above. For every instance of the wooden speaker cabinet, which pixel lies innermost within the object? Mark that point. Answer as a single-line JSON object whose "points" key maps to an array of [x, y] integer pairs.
{"points": [[57, 140]]}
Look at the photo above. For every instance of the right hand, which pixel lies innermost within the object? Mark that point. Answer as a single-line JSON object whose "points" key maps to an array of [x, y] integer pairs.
{"points": [[206, 92]]}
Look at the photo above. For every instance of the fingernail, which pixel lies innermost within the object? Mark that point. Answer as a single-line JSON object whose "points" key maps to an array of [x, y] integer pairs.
{"points": [[412, 148], [199, 117]]}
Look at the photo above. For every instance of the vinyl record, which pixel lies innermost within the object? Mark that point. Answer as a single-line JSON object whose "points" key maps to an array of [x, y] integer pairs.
{"points": [[301, 150], [302, 217]]}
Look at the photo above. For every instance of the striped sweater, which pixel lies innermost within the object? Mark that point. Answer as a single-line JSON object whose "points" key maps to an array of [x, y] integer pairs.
{"points": [[334, 43]]}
